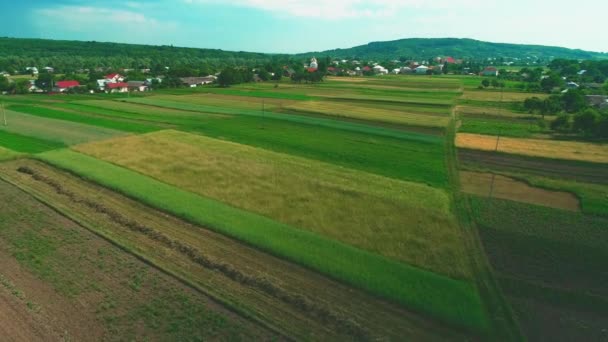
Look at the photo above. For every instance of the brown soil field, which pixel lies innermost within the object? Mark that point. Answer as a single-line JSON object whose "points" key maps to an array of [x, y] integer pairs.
{"points": [[287, 298], [81, 287], [497, 113], [595, 173], [571, 150], [487, 184]]}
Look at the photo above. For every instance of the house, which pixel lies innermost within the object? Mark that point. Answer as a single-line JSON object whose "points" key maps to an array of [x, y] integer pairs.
{"points": [[63, 86], [32, 88], [257, 78], [117, 87], [396, 71], [137, 86], [101, 84], [582, 72], [422, 70], [332, 70], [489, 71], [572, 85], [4, 74], [380, 70], [194, 82], [405, 70], [449, 60], [114, 78], [598, 101], [49, 69], [32, 70], [288, 72], [366, 69]]}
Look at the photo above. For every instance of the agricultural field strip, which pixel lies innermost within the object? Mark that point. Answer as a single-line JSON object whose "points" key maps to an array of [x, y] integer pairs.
{"points": [[228, 267], [66, 114], [304, 193], [27, 144], [449, 300], [60, 131], [569, 150], [416, 159], [101, 289], [371, 114], [300, 119], [592, 196], [6, 154], [507, 96]]}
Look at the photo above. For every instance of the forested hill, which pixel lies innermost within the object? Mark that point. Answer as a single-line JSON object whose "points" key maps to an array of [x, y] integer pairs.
{"points": [[21, 53], [424, 48]]}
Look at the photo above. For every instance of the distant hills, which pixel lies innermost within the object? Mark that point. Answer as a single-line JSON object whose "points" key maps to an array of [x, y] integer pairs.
{"points": [[16, 54], [424, 48]]}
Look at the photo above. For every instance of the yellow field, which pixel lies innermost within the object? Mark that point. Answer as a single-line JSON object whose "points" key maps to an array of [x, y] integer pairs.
{"points": [[406, 221], [494, 112], [487, 95], [354, 111], [571, 150]]}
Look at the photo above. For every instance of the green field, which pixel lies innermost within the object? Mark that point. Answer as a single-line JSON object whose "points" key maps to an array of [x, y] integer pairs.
{"points": [[60, 131], [6, 154], [27, 144], [509, 128], [453, 301]]}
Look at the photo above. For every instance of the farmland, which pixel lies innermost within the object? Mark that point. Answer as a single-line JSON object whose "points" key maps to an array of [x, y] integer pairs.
{"points": [[364, 208]]}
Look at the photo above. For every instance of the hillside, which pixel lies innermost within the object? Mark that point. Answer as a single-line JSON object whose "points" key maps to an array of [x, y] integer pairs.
{"points": [[20, 53], [423, 48]]}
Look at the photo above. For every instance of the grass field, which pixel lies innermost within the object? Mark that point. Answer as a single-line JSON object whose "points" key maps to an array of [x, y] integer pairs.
{"points": [[551, 264], [6, 154], [86, 288], [59, 131], [103, 122], [27, 144], [569, 150], [396, 154], [497, 96], [357, 208], [441, 297], [506, 128], [370, 114]]}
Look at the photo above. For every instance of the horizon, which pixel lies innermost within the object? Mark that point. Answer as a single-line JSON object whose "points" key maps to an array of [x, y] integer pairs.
{"points": [[301, 26]]}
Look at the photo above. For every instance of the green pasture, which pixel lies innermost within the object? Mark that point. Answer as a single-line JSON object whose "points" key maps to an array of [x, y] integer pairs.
{"points": [[27, 144], [509, 128], [452, 301], [6, 154]]}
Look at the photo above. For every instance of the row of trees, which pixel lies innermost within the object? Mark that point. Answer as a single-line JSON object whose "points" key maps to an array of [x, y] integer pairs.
{"points": [[574, 115]]}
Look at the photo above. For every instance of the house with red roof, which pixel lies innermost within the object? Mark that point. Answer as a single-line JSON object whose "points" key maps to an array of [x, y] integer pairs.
{"points": [[449, 60], [118, 87], [312, 69], [489, 71], [114, 78], [63, 86]]}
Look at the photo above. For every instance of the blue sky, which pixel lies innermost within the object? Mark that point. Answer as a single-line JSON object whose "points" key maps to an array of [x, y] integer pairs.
{"points": [[300, 26]]}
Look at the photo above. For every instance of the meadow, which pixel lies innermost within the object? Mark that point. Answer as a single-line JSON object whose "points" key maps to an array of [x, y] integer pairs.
{"points": [[357, 208], [449, 300], [6, 154]]}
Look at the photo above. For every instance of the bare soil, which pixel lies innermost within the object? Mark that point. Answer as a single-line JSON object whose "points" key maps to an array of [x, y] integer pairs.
{"points": [[490, 185]]}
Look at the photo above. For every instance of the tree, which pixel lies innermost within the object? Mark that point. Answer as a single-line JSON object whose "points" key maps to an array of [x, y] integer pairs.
{"points": [[586, 122], [45, 81], [552, 81], [4, 84], [495, 83], [485, 83], [562, 124], [533, 104], [573, 101], [21, 87]]}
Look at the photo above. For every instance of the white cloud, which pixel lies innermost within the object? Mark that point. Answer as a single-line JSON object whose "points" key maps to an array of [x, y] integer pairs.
{"points": [[343, 9], [102, 24], [83, 18]]}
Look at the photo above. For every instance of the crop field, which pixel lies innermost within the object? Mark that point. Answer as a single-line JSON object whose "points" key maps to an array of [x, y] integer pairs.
{"points": [[358, 208], [417, 289], [79, 286], [64, 132], [315, 196], [416, 118], [551, 265], [569, 150], [294, 300], [491, 185]]}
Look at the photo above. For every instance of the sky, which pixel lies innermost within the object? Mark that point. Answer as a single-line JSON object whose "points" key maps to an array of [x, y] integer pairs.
{"points": [[294, 26]]}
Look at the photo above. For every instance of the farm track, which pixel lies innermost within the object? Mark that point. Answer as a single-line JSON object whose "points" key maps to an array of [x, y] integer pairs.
{"points": [[596, 173], [505, 326], [257, 285]]}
